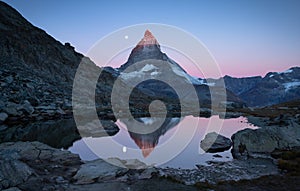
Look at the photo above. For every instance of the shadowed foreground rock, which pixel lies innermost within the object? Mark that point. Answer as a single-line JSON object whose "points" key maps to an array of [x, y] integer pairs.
{"points": [[35, 166]]}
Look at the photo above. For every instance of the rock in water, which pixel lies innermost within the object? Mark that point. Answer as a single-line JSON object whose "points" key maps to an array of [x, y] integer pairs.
{"points": [[214, 142]]}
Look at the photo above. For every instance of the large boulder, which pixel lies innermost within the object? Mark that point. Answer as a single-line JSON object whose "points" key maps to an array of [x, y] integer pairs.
{"points": [[214, 142], [261, 142]]}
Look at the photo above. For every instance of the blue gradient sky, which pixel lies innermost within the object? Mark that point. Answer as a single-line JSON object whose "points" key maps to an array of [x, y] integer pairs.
{"points": [[246, 37]]}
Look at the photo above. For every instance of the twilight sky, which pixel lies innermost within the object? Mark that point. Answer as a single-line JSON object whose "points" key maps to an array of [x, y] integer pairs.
{"points": [[246, 37]]}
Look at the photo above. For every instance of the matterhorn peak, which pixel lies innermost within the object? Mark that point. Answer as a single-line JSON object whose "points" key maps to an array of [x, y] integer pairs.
{"points": [[147, 48], [148, 39]]}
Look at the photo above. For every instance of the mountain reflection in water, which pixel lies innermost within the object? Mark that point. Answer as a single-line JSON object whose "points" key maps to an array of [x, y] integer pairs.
{"points": [[147, 141], [148, 147]]}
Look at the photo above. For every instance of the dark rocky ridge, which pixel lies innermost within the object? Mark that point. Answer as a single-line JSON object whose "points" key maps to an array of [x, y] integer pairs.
{"points": [[37, 71], [36, 81], [26, 45], [34, 68], [240, 85]]}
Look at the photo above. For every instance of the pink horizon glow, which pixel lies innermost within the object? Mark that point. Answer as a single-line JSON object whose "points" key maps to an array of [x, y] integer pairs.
{"points": [[227, 66]]}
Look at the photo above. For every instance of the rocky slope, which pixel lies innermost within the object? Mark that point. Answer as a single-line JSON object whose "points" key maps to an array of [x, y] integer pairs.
{"points": [[36, 80], [36, 71]]}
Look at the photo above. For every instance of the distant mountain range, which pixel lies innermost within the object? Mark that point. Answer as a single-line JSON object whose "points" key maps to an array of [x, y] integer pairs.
{"points": [[274, 88], [37, 73]]}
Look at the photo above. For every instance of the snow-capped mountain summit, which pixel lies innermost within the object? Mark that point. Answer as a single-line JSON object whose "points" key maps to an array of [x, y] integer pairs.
{"points": [[149, 48], [152, 72]]}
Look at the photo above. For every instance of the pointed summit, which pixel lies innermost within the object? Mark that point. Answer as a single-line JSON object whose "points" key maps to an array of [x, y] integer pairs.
{"points": [[148, 39], [148, 33], [147, 48]]}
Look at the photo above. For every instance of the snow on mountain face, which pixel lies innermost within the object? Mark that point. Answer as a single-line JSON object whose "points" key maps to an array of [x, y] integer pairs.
{"points": [[148, 69], [180, 72], [292, 73], [153, 71], [146, 120], [284, 72], [290, 85]]}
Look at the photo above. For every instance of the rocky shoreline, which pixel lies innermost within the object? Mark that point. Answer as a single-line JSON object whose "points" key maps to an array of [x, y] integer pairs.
{"points": [[36, 166]]}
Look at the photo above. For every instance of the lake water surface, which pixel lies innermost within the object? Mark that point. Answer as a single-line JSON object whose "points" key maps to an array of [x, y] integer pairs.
{"points": [[175, 144]]}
